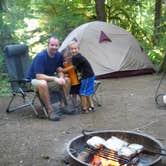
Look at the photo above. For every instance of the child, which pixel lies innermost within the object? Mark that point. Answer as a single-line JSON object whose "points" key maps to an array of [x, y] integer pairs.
{"points": [[81, 64], [70, 72]]}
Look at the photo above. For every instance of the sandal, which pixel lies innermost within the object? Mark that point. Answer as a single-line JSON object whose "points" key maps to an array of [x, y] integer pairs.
{"points": [[91, 109]]}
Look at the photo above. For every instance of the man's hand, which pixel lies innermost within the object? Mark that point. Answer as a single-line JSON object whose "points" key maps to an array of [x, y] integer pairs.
{"points": [[60, 69], [62, 81]]}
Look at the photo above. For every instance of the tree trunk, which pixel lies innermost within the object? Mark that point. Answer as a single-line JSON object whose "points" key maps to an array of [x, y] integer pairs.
{"points": [[100, 10], [3, 4], [1, 23], [3, 8], [158, 5]]}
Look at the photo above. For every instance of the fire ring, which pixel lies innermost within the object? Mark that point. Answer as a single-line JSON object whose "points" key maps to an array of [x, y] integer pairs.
{"points": [[78, 144]]}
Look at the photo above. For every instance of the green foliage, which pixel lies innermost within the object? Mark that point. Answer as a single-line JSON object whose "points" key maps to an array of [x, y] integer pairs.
{"points": [[2, 65], [31, 22], [156, 56], [5, 89], [59, 17], [137, 16]]}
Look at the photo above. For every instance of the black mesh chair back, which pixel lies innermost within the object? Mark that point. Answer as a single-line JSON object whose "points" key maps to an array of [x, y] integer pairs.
{"points": [[17, 63]]}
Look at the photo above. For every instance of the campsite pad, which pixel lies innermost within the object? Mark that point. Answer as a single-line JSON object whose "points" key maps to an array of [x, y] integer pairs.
{"points": [[128, 104]]}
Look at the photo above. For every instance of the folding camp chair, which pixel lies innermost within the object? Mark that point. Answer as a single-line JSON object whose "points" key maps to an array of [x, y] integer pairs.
{"points": [[160, 96], [17, 62], [97, 98]]}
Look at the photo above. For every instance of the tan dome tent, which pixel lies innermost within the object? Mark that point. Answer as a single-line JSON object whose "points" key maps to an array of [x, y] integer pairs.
{"points": [[111, 50]]}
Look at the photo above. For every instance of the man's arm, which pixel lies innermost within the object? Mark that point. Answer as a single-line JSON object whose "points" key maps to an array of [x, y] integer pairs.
{"points": [[60, 80], [44, 77]]}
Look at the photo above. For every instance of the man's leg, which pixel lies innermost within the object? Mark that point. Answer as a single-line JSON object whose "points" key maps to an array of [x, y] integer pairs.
{"points": [[44, 94], [42, 87]]}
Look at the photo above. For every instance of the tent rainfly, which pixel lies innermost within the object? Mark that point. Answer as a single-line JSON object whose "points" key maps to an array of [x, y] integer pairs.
{"points": [[111, 50]]}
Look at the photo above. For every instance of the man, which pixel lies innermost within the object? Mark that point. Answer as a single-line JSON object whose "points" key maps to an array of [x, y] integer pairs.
{"points": [[42, 70]]}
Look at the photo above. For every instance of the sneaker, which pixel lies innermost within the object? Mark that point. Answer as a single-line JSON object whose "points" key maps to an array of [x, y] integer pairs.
{"points": [[53, 116]]}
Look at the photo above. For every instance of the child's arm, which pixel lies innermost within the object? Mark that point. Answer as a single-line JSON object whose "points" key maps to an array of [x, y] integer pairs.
{"points": [[66, 69]]}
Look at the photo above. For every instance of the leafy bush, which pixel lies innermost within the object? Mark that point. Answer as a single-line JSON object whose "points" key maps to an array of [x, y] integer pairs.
{"points": [[156, 56], [5, 89]]}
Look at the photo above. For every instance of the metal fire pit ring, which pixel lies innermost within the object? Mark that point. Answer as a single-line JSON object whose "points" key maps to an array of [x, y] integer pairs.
{"points": [[78, 144]]}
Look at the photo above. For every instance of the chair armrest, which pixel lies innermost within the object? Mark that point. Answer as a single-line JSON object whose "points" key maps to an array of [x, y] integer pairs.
{"points": [[20, 81]]}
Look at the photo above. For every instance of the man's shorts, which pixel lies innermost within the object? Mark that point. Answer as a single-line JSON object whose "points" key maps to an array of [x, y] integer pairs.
{"points": [[87, 86], [52, 85]]}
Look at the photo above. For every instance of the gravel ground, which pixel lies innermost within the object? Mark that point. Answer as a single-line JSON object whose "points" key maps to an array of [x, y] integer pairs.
{"points": [[127, 104]]}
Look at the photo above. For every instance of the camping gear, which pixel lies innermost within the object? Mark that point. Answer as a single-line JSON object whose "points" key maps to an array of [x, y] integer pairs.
{"points": [[111, 50], [160, 96], [17, 62], [97, 96], [164, 99], [80, 154]]}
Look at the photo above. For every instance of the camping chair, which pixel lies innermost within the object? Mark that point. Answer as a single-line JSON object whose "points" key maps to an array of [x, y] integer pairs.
{"points": [[97, 98], [160, 96], [17, 62]]}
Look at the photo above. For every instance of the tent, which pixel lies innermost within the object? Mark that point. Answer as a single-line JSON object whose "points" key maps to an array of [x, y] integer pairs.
{"points": [[111, 50]]}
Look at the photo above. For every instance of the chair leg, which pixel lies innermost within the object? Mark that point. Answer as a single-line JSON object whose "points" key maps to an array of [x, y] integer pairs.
{"points": [[10, 102], [30, 103], [97, 99], [12, 109]]}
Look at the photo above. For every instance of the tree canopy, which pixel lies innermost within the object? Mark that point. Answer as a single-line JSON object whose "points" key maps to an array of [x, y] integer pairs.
{"points": [[31, 22]]}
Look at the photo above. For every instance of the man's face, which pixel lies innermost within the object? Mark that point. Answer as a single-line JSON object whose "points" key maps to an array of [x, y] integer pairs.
{"points": [[74, 49], [53, 46]]}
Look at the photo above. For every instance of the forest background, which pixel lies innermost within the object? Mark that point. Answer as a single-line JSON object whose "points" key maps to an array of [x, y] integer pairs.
{"points": [[32, 22]]}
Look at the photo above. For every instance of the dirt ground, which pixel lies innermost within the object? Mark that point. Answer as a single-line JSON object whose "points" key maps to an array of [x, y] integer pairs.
{"points": [[127, 104]]}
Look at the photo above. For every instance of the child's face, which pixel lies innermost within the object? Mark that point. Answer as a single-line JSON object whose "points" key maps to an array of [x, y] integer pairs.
{"points": [[67, 57], [74, 49]]}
